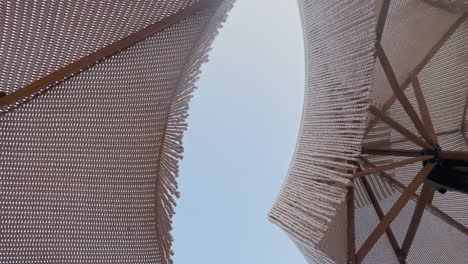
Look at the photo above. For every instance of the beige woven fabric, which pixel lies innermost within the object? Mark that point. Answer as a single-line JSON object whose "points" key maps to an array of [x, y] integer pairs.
{"points": [[339, 46], [444, 81], [88, 168], [436, 241], [453, 6], [40, 37], [343, 79]]}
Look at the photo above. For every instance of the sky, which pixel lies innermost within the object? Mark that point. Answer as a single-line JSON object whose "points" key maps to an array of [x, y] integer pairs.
{"points": [[243, 126]]}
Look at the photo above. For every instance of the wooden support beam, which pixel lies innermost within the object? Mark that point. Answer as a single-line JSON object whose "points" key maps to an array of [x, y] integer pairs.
{"points": [[436, 47], [391, 166], [425, 115], [395, 125], [393, 152], [401, 140], [427, 194], [82, 64], [383, 12], [393, 212], [400, 95], [351, 226], [380, 214]]}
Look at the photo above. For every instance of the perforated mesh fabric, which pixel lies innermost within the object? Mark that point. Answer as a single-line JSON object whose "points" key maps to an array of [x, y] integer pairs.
{"points": [[38, 37], [455, 6], [435, 242], [444, 82], [89, 167], [311, 205]]}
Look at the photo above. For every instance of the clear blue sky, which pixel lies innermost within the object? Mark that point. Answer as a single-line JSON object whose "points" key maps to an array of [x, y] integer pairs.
{"points": [[243, 127]]}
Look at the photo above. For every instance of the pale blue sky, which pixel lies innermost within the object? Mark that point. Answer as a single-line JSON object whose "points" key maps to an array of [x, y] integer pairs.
{"points": [[243, 126]]}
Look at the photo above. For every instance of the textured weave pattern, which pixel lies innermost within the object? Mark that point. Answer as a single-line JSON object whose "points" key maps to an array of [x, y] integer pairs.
{"points": [[444, 82], [89, 167], [38, 37], [342, 81], [339, 41], [435, 242], [412, 29], [454, 6]]}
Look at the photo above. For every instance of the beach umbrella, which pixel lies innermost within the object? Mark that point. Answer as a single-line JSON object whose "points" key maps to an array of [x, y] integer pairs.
{"points": [[93, 102], [380, 171]]}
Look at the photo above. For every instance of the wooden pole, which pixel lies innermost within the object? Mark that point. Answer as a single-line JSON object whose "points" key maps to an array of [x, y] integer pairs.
{"points": [[456, 155]]}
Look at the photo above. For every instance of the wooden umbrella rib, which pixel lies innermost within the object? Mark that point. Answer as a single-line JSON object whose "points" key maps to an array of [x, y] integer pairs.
{"points": [[393, 152], [442, 215], [423, 109], [463, 128], [401, 140], [380, 29], [400, 95], [108, 51], [421, 65], [391, 166], [351, 225], [393, 213], [385, 6], [385, 175], [427, 194], [380, 214], [437, 46], [395, 125]]}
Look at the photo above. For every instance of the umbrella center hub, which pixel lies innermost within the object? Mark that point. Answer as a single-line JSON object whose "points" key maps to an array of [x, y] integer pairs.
{"points": [[447, 174]]}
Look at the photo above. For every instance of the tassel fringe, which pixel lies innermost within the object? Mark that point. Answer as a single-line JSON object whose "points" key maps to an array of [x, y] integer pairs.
{"points": [[172, 149]]}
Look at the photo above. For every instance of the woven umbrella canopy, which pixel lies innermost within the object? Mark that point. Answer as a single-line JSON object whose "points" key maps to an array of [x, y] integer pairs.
{"points": [[94, 96], [380, 172]]}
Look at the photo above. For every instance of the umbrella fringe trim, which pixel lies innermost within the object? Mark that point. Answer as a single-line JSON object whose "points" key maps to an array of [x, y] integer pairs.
{"points": [[172, 149], [304, 208]]}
